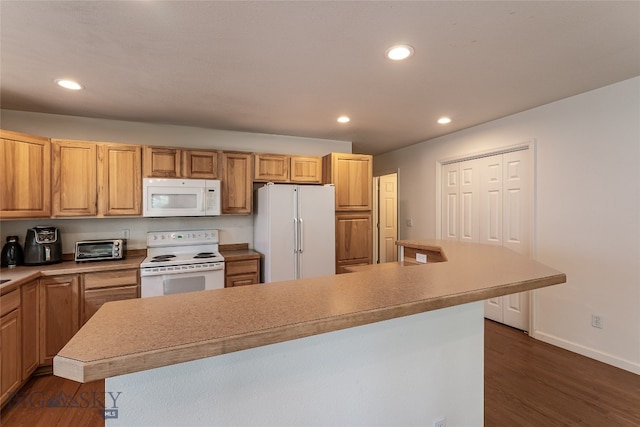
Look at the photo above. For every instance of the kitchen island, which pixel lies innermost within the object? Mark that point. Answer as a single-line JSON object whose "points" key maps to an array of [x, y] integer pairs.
{"points": [[388, 345]]}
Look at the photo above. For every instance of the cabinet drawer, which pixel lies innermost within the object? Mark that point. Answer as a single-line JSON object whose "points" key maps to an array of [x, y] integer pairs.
{"points": [[242, 280], [9, 302], [108, 279], [241, 267]]}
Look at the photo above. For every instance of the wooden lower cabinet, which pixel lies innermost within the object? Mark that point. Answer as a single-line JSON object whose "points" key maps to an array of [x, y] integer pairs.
{"points": [[243, 272], [353, 239], [10, 344], [59, 314], [102, 287], [30, 302]]}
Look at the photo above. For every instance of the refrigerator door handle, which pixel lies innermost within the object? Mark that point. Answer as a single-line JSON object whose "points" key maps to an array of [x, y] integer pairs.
{"points": [[295, 235], [301, 247]]}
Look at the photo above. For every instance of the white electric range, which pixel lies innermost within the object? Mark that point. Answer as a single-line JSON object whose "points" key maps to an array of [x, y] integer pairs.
{"points": [[181, 261]]}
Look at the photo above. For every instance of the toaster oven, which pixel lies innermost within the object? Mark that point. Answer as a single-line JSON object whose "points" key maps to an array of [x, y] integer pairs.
{"points": [[101, 250]]}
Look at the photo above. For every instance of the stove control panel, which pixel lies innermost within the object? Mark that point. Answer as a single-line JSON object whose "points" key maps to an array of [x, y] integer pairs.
{"points": [[179, 238]]}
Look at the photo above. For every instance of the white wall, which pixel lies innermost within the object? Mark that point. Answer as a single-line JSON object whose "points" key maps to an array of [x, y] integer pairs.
{"points": [[587, 215], [401, 372], [233, 229]]}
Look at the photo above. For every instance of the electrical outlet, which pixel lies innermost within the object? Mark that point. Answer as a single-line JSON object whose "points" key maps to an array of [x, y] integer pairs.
{"points": [[440, 422], [597, 321], [125, 234]]}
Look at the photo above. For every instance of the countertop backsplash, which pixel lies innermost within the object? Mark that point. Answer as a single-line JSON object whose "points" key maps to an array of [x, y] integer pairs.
{"points": [[233, 229]]}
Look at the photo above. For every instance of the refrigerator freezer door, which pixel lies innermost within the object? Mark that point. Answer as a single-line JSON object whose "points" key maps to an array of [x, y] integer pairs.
{"points": [[316, 215], [274, 231]]}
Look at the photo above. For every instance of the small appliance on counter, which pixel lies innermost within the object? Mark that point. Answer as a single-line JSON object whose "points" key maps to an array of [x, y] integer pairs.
{"points": [[12, 253], [42, 245], [101, 250]]}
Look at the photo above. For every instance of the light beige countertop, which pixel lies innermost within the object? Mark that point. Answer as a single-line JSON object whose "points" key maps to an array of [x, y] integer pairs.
{"points": [[134, 335], [23, 274]]}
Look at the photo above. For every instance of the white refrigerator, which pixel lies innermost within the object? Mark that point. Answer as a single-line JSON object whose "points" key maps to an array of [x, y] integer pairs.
{"points": [[294, 229]]}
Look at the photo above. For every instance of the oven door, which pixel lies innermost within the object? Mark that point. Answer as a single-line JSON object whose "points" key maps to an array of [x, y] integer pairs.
{"points": [[179, 282]]}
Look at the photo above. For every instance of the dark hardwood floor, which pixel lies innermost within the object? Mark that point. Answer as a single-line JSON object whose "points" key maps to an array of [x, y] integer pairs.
{"points": [[527, 383], [531, 383], [50, 401]]}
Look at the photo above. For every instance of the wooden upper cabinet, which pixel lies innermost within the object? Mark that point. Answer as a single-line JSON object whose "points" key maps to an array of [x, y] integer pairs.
{"points": [[161, 162], [237, 185], [284, 168], [120, 179], [352, 175], [25, 176], [271, 167], [75, 185], [305, 169], [200, 164]]}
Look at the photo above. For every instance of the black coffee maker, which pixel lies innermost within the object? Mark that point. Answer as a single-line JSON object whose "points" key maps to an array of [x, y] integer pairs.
{"points": [[42, 245], [12, 253]]}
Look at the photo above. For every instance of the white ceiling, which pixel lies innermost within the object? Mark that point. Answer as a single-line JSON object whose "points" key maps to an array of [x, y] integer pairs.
{"points": [[291, 68]]}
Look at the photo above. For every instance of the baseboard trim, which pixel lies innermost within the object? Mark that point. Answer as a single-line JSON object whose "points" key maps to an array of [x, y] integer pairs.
{"points": [[609, 359]]}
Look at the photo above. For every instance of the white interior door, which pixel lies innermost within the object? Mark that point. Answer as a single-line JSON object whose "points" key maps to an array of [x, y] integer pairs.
{"points": [[450, 197], [469, 201], [517, 227], [388, 217], [487, 200]]}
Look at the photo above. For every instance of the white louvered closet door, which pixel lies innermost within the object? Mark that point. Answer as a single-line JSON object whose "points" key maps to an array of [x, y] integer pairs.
{"points": [[491, 205]]}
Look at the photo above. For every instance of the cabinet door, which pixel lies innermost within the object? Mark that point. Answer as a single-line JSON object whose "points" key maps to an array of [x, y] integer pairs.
{"points": [[271, 167], [352, 176], [95, 298], [59, 314], [25, 176], [120, 179], [353, 239], [105, 286], [237, 184], [200, 164], [10, 368], [75, 185], [161, 162], [29, 307], [306, 169]]}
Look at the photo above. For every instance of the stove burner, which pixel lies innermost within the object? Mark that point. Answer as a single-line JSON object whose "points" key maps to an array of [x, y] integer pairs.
{"points": [[162, 258], [205, 255]]}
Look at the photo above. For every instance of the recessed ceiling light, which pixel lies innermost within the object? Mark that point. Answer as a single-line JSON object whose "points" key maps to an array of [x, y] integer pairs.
{"points": [[344, 119], [69, 84], [399, 52], [444, 120]]}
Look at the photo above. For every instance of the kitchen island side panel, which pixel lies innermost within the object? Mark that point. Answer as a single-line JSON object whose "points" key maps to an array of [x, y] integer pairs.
{"points": [[404, 371]]}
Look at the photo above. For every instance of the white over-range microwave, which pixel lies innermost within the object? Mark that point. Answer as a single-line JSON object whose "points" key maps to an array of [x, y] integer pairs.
{"points": [[180, 197]]}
